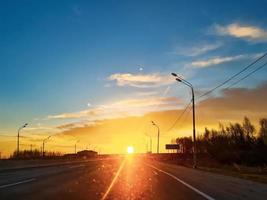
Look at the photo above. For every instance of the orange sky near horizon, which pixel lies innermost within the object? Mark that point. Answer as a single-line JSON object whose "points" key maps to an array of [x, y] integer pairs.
{"points": [[116, 134]]}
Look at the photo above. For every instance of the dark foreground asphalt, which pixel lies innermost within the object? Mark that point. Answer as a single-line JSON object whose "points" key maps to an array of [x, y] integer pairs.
{"points": [[127, 178]]}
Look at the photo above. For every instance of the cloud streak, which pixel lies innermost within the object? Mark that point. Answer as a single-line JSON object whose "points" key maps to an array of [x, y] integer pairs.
{"points": [[141, 80], [232, 106], [235, 103], [215, 61], [198, 50], [220, 60], [249, 33], [122, 108]]}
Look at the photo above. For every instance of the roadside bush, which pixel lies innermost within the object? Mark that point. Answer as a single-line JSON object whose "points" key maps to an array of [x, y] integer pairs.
{"points": [[235, 143]]}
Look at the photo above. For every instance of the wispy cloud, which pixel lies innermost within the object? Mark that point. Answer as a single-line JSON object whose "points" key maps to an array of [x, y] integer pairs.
{"points": [[146, 94], [73, 115], [78, 124], [220, 60], [233, 105], [249, 33], [215, 61], [144, 102], [123, 108], [141, 80], [197, 50]]}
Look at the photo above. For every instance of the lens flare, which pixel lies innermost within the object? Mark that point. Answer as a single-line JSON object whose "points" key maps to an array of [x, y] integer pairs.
{"points": [[130, 150]]}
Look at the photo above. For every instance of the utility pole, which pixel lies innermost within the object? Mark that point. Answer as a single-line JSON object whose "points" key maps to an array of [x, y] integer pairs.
{"points": [[194, 132], [18, 137], [149, 147], [150, 144], [43, 148], [179, 79], [44, 141], [153, 123], [76, 146]]}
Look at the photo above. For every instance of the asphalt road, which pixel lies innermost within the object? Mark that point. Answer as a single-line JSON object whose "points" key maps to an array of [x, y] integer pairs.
{"points": [[127, 178]]}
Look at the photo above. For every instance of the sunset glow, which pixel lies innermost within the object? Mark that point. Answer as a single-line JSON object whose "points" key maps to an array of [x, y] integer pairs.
{"points": [[75, 94], [130, 150], [116, 100]]}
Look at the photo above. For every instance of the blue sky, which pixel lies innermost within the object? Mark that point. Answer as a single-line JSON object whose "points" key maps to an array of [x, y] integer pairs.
{"points": [[56, 57]]}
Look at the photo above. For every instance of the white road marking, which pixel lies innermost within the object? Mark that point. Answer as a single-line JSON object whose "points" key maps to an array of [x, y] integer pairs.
{"points": [[184, 183], [76, 166], [17, 183]]}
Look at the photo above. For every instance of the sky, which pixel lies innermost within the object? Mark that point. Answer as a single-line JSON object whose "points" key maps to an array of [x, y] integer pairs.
{"points": [[99, 71]]}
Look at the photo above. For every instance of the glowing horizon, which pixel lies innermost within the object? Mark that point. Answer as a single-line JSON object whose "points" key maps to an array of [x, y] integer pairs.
{"points": [[101, 77]]}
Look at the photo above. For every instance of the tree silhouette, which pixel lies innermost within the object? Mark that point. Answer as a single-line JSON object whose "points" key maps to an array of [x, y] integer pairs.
{"points": [[235, 143], [263, 130]]}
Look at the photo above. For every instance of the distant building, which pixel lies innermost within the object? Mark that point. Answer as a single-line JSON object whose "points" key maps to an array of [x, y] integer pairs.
{"points": [[87, 154]]}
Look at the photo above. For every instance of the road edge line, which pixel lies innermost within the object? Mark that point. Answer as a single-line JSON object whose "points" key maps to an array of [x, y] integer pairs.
{"points": [[183, 182], [44, 165], [17, 183]]}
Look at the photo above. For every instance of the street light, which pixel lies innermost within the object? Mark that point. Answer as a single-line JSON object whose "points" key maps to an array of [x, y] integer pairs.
{"points": [[153, 123], [76, 145], [179, 79], [150, 140], [44, 144], [26, 124], [150, 146]]}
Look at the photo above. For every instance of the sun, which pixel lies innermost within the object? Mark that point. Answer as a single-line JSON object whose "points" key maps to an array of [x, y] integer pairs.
{"points": [[130, 150]]}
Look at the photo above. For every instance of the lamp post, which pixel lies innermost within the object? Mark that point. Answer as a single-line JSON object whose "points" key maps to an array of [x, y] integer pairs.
{"points": [[26, 124], [150, 143], [153, 123], [150, 147], [179, 79], [76, 145], [44, 144]]}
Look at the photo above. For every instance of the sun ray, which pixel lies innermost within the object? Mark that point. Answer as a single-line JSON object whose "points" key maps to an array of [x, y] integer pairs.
{"points": [[113, 181]]}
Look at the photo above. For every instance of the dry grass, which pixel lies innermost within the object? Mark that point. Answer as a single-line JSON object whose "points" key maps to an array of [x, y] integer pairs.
{"points": [[258, 174]]}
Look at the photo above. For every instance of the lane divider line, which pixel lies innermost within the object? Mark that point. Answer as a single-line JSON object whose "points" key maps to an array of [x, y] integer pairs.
{"points": [[76, 166], [184, 183], [17, 183]]}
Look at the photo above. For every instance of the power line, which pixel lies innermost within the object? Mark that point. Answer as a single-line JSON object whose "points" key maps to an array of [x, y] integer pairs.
{"points": [[232, 77], [223, 83], [62, 146], [7, 135], [179, 117], [182, 122], [252, 72]]}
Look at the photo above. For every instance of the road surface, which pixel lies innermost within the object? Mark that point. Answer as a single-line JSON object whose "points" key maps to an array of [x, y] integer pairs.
{"points": [[121, 179]]}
